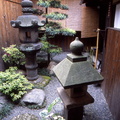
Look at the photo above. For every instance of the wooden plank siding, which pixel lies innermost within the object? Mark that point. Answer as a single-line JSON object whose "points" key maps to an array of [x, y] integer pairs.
{"points": [[8, 35], [111, 72]]}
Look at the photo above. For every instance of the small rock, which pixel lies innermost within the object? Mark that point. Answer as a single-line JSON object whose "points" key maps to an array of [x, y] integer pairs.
{"points": [[34, 97], [59, 109], [51, 65], [25, 116]]}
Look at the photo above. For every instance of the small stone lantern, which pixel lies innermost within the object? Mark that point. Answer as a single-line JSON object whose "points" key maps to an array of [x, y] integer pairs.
{"points": [[28, 35], [75, 73]]}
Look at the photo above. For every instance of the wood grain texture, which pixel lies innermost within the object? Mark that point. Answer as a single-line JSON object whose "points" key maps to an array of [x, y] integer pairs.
{"points": [[111, 72], [89, 21]]}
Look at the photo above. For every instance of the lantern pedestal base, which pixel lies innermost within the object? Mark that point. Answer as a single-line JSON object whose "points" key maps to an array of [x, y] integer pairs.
{"points": [[74, 113], [74, 106]]}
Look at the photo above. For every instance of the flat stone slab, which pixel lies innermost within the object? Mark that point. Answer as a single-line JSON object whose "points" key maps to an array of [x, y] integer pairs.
{"points": [[25, 116], [34, 97]]}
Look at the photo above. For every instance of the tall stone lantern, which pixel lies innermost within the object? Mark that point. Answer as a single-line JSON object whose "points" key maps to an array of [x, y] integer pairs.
{"points": [[75, 73], [28, 35]]}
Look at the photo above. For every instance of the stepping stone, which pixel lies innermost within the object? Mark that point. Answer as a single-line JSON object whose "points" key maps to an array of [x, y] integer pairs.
{"points": [[34, 97], [25, 116]]}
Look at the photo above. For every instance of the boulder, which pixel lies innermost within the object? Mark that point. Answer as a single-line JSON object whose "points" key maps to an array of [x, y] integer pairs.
{"points": [[34, 97]]}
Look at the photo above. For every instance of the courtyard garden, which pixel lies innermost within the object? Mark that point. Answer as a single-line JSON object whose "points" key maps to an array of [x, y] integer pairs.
{"points": [[28, 84]]}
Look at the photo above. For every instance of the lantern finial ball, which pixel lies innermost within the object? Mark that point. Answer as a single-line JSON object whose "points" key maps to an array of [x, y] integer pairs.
{"points": [[27, 3], [76, 46]]}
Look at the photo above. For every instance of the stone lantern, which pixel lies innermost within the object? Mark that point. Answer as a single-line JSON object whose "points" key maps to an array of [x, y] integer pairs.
{"points": [[75, 73], [28, 35]]}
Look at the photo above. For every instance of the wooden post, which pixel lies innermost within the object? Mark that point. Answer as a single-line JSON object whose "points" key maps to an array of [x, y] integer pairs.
{"points": [[97, 45]]}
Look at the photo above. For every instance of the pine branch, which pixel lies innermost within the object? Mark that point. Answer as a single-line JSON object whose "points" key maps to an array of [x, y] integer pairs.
{"points": [[56, 16], [54, 25], [52, 4]]}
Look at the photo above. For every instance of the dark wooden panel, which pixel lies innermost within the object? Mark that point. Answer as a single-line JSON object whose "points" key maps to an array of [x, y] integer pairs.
{"points": [[111, 72], [8, 35], [115, 1]]}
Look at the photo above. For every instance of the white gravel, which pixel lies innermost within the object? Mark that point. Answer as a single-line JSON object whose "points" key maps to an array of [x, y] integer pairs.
{"points": [[96, 111]]}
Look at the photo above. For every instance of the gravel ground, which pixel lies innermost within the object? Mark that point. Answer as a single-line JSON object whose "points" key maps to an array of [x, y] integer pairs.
{"points": [[96, 111]]}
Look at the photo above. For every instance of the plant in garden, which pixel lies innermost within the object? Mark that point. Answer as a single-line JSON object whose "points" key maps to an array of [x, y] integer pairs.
{"points": [[5, 110], [50, 48], [13, 56], [47, 115], [14, 84], [52, 28]]}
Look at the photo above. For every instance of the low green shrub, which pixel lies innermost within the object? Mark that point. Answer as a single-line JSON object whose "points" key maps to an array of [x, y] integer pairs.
{"points": [[14, 84], [13, 56]]}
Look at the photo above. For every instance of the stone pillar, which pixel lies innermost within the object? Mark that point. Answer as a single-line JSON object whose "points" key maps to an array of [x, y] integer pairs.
{"points": [[31, 66], [73, 106]]}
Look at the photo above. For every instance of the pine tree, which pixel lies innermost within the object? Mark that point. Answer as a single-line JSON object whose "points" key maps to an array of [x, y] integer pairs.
{"points": [[53, 28]]}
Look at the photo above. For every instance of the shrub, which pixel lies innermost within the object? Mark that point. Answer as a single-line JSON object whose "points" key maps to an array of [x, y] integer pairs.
{"points": [[13, 56], [13, 84]]}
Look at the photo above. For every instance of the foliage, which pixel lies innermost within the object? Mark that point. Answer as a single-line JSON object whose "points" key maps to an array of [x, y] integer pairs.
{"points": [[50, 48], [14, 84], [47, 115], [37, 11], [13, 56], [5, 110], [52, 4], [53, 28], [56, 16], [44, 72]]}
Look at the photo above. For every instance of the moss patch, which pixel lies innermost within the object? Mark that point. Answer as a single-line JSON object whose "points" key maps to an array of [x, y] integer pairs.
{"points": [[42, 84]]}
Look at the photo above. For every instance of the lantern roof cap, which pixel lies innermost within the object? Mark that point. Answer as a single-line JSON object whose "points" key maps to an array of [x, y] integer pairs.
{"points": [[27, 19], [76, 70]]}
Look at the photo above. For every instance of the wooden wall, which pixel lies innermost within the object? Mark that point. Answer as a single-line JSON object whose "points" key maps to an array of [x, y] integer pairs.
{"points": [[89, 21], [8, 35], [74, 14], [111, 72], [8, 11], [116, 1]]}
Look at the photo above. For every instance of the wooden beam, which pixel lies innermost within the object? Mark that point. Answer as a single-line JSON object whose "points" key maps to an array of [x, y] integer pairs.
{"points": [[13, 1]]}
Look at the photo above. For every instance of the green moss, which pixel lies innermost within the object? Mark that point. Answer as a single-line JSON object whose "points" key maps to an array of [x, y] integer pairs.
{"points": [[45, 82]]}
